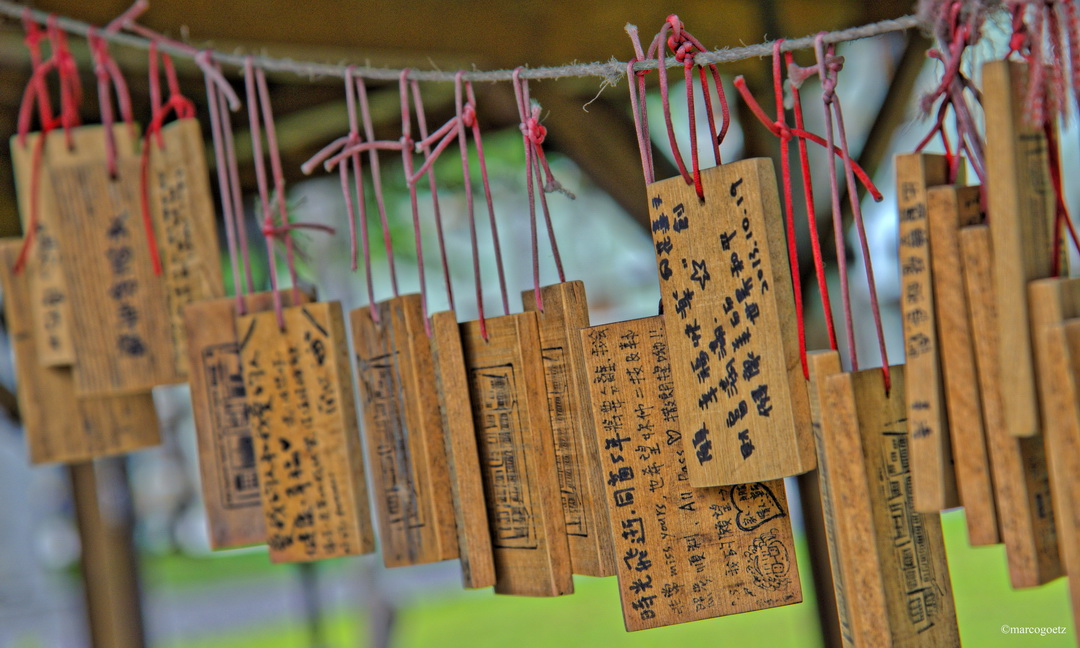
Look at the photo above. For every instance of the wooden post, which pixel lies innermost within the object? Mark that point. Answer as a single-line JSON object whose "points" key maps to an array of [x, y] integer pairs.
{"points": [[109, 561]]}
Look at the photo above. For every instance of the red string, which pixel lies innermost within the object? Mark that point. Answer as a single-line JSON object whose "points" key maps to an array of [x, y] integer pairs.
{"points": [[808, 192], [406, 158], [828, 70], [376, 180], [429, 158], [636, 85], [1061, 211], [465, 114]]}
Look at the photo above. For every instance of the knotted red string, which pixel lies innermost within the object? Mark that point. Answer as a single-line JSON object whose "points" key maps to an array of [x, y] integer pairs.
{"points": [[533, 134], [686, 47], [636, 85]]}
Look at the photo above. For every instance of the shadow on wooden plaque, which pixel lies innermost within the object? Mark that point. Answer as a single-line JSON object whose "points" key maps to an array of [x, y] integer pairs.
{"points": [[182, 211], [1020, 199], [230, 482], [505, 374], [932, 473], [61, 427], [1062, 419], [298, 384], [404, 433], [949, 209], [729, 308], [892, 556], [1019, 465], [462, 454], [577, 459], [682, 553]]}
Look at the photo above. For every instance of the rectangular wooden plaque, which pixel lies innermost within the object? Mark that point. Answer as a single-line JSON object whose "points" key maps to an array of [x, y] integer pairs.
{"points": [[462, 455], [1020, 198], [50, 305], [576, 456], [403, 428], [1019, 465], [683, 553], [182, 210], [728, 303], [900, 591], [517, 456], [932, 474], [59, 426], [230, 479], [299, 392], [949, 209], [1062, 431], [120, 323]]}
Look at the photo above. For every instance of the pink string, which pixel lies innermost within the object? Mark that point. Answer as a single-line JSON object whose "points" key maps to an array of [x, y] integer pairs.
{"points": [[234, 187], [376, 180], [490, 201], [429, 158], [107, 73], [465, 114], [533, 135], [407, 161], [829, 66], [637, 107]]}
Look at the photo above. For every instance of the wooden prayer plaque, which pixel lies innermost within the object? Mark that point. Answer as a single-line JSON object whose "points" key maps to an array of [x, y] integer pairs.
{"points": [[1019, 465], [462, 455], [182, 210], [303, 419], [1021, 214], [932, 475], [403, 428], [899, 591], [1050, 302], [577, 458], [230, 481], [517, 456], [60, 427], [50, 306], [682, 553], [1062, 421], [728, 304], [120, 323], [949, 209], [854, 513]]}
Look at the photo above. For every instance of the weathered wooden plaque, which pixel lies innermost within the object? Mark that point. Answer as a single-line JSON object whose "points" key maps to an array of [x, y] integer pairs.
{"points": [[577, 458], [1018, 465], [1050, 302], [403, 428], [49, 305], [120, 327], [182, 210], [853, 511], [302, 416], [900, 592], [59, 426], [683, 553], [517, 456], [949, 209], [729, 308], [1020, 198], [1062, 419], [932, 475], [230, 479], [462, 454]]}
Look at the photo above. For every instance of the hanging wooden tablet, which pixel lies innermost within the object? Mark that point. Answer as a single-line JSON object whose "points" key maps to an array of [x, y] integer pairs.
{"points": [[1053, 303], [462, 454], [839, 465], [182, 210], [683, 553], [949, 209], [59, 426], [403, 429], [728, 304], [932, 475], [1020, 473], [119, 318], [1062, 419], [517, 456], [50, 305], [577, 458], [1021, 214], [303, 419], [901, 593], [230, 482]]}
